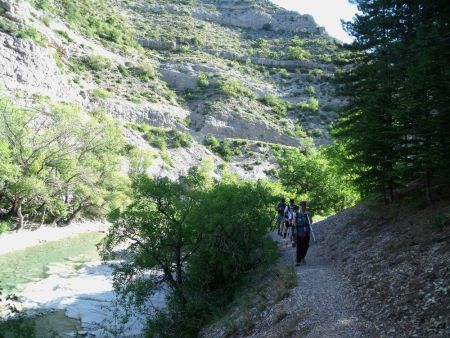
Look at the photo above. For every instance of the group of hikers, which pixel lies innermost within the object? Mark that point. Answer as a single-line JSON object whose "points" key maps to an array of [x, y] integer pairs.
{"points": [[294, 224]]}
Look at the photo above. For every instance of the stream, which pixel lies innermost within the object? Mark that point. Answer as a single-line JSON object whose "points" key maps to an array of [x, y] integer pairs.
{"points": [[68, 290]]}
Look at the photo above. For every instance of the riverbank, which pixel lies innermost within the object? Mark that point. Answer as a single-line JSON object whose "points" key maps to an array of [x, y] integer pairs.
{"points": [[13, 241]]}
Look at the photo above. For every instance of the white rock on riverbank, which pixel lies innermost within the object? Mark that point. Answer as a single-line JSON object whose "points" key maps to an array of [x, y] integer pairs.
{"points": [[88, 295], [13, 241]]}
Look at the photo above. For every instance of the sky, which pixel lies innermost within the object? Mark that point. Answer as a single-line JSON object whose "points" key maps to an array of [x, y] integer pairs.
{"points": [[327, 13]]}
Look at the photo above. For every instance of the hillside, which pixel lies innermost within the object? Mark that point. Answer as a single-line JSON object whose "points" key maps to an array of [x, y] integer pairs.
{"points": [[250, 74], [375, 271]]}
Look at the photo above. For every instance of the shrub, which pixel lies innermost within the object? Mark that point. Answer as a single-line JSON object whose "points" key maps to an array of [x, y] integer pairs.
{"points": [[203, 81], [145, 72], [279, 107], [311, 90], [97, 63], [100, 93], [261, 43], [232, 87], [4, 226], [298, 53], [312, 105], [64, 35], [123, 70], [224, 149], [32, 34]]}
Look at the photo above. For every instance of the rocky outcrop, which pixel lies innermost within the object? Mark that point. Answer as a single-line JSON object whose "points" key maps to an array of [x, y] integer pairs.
{"points": [[31, 69], [157, 44], [288, 64], [234, 124], [248, 14], [156, 114]]}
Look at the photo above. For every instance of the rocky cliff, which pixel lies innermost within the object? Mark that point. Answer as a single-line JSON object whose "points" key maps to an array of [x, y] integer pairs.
{"points": [[247, 73]]}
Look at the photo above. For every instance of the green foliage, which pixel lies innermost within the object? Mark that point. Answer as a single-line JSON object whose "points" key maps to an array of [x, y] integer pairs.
{"points": [[96, 18], [261, 43], [225, 149], [145, 72], [32, 34], [203, 81], [394, 126], [315, 178], [232, 87], [64, 35], [100, 93], [279, 107], [312, 105], [123, 70], [45, 156], [97, 63], [298, 53], [205, 238], [4, 226], [164, 138]]}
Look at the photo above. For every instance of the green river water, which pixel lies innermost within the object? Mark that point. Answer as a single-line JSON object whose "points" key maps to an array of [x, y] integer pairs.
{"points": [[31, 264], [35, 263]]}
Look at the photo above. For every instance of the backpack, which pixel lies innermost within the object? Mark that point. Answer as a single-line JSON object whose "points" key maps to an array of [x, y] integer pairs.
{"points": [[281, 206], [302, 219]]}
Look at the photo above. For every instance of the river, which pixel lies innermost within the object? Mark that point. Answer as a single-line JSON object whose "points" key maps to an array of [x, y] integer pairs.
{"points": [[71, 288]]}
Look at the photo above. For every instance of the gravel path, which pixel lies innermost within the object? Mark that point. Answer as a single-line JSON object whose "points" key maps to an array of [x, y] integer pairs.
{"points": [[322, 299]]}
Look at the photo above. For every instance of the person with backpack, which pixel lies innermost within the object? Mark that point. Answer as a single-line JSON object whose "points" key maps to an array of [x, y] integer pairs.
{"points": [[288, 217], [280, 207], [302, 223]]}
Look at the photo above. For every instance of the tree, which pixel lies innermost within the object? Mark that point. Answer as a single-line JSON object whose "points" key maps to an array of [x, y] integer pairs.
{"points": [[58, 164], [312, 177], [391, 128]]}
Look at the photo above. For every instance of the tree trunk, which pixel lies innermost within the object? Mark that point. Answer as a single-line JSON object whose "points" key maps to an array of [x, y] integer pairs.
{"points": [[73, 215], [19, 214]]}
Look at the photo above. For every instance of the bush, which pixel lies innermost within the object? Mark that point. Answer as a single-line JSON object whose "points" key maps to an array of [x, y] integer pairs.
{"points": [[312, 105], [225, 149], [5, 226], [97, 63], [145, 72], [298, 53], [32, 34], [100, 93], [203, 81], [123, 70], [279, 107], [203, 254], [232, 87], [64, 35]]}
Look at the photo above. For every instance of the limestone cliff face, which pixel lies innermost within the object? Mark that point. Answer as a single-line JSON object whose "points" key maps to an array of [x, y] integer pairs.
{"points": [[256, 15], [160, 85]]}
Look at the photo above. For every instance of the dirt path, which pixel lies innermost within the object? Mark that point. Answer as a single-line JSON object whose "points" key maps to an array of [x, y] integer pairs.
{"points": [[321, 298]]}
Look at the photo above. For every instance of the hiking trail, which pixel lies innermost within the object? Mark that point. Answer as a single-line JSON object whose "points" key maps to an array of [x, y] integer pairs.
{"points": [[321, 298]]}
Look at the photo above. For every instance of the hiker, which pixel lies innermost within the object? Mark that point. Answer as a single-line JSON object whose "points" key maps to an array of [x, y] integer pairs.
{"points": [[288, 217], [293, 227], [281, 206], [302, 223]]}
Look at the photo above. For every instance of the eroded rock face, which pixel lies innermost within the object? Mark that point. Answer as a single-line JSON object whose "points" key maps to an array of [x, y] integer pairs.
{"points": [[31, 69], [155, 114], [247, 14], [230, 124]]}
